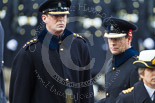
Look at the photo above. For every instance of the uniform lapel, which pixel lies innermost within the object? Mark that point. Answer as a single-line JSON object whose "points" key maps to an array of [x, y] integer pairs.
{"points": [[67, 38]]}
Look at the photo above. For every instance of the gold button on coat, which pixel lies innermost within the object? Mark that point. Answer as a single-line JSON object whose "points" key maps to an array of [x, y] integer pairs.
{"points": [[113, 68], [67, 80], [107, 94]]}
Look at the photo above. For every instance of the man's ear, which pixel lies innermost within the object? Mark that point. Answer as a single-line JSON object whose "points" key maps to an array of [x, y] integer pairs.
{"points": [[129, 39], [141, 76], [44, 18]]}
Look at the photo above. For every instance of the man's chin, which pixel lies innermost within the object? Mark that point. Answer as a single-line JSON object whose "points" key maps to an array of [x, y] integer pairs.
{"points": [[115, 52], [59, 32]]}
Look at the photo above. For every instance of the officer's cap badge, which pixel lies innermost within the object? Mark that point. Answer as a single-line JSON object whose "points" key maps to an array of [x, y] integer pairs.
{"points": [[111, 27], [59, 4], [153, 61]]}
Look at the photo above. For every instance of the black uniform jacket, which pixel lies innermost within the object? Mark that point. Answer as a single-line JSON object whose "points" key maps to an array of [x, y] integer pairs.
{"points": [[43, 70], [137, 95], [121, 74]]}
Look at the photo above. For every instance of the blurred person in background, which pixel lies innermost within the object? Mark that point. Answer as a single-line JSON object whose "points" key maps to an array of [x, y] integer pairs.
{"points": [[2, 88]]}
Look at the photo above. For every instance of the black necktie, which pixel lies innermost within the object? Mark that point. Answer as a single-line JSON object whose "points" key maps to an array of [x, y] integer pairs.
{"points": [[154, 97]]}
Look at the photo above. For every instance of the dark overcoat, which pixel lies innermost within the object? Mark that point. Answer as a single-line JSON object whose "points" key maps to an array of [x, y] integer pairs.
{"points": [[47, 66], [137, 95], [120, 74]]}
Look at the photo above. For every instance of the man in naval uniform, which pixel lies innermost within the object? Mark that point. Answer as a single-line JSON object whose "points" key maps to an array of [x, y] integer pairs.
{"points": [[144, 90], [120, 72], [2, 89], [54, 67]]}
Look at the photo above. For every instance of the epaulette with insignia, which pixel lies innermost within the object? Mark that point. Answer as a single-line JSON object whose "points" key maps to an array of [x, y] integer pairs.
{"points": [[77, 35], [128, 90], [34, 40]]}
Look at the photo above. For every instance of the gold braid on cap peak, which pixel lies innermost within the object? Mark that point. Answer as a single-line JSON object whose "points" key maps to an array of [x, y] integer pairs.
{"points": [[153, 61], [144, 62]]}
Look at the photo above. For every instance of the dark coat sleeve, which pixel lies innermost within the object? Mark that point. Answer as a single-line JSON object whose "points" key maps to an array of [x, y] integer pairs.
{"points": [[80, 53], [120, 99], [87, 94], [134, 77], [102, 101], [22, 78], [125, 98]]}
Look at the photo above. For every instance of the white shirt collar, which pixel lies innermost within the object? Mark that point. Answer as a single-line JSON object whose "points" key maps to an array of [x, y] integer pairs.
{"points": [[150, 91]]}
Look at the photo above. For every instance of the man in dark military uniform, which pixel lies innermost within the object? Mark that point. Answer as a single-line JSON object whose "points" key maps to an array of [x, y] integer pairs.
{"points": [[22, 20], [120, 72], [2, 89], [54, 66], [144, 90]]}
